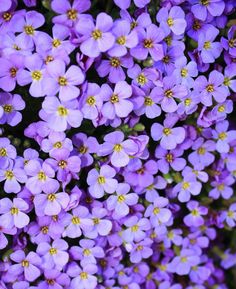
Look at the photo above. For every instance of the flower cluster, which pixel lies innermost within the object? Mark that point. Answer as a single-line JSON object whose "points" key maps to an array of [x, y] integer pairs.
{"points": [[118, 144]]}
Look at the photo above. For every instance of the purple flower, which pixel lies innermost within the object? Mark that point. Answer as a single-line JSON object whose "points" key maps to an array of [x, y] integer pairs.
{"points": [[124, 4], [13, 175], [201, 156], [58, 80], [141, 251], [85, 146], [209, 50], [54, 279], [51, 203], [59, 115], [195, 218], [149, 43], [229, 216], [101, 182], [12, 213], [125, 38], [116, 102], [40, 176], [157, 212], [189, 186], [9, 71], [136, 229], [119, 149], [7, 151], [170, 90], [223, 136], [11, 105], [84, 277], [168, 135], [211, 88], [172, 20], [114, 68], [222, 187], [201, 9], [87, 252], [34, 75], [167, 159], [79, 220], [26, 264], [182, 264], [96, 38], [70, 13], [120, 202], [53, 256]]}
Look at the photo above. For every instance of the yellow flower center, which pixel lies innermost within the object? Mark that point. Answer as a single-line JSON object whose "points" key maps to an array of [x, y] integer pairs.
{"points": [[183, 259], [48, 59], [184, 72], [167, 131], [57, 145], [148, 101], [16, 47], [148, 43], [25, 263], [117, 148], [53, 251], [201, 151], [196, 25], [121, 198], [7, 108], [14, 211], [114, 98], [169, 158], [51, 197], [195, 212], [9, 175], [62, 111], [210, 88], [141, 79], [205, 2], [166, 59], [139, 248], [3, 152], [169, 93], [83, 275], [188, 101], [62, 81], [97, 34], [44, 230], [168, 40], [222, 136], [221, 187], [36, 75], [227, 81], [72, 14], [101, 180], [42, 176], [232, 43], [83, 149], [86, 252], [75, 220], [121, 40], [185, 185], [29, 30], [134, 228], [91, 100], [13, 72], [96, 221], [207, 45], [170, 21], [133, 25], [6, 16], [156, 211], [221, 108], [62, 164], [56, 42], [230, 214], [50, 281], [115, 62]]}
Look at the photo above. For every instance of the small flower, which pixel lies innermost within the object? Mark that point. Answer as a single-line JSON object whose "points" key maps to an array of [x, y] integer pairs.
{"points": [[195, 218], [101, 182]]}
